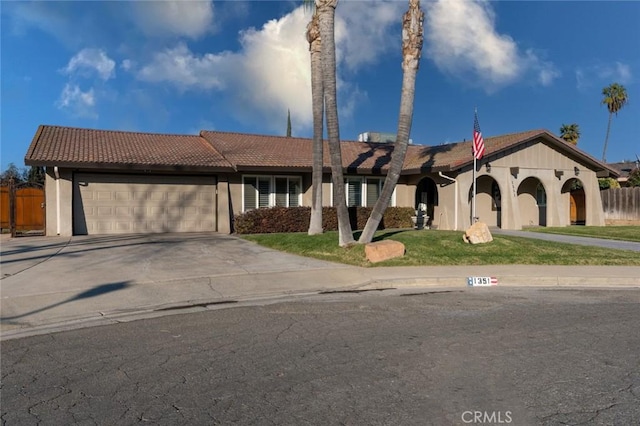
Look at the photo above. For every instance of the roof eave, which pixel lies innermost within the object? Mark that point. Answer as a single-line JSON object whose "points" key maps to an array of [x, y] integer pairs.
{"points": [[125, 166]]}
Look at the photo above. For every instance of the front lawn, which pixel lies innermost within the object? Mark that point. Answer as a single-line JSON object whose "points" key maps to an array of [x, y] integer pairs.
{"points": [[625, 233], [432, 247]]}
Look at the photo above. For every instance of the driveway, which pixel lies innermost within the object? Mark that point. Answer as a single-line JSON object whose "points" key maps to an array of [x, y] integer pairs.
{"points": [[53, 283], [54, 279]]}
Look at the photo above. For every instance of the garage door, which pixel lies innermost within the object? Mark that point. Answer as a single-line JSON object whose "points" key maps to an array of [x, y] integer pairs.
{"points": [[120, 204]]}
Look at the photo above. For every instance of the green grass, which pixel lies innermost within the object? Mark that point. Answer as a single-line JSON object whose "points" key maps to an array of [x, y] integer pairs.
{"points": [[431, 248], [625, 233]]}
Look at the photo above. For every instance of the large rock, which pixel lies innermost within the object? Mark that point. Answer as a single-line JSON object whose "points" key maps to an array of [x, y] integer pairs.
{"points": [[477, 233], [383, 250]]}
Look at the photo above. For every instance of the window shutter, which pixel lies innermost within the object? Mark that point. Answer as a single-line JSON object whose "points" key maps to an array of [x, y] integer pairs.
{"points": [[373, 191], [294, 192], [354, 192], [281, 192], [249, 193], [264, 186]]}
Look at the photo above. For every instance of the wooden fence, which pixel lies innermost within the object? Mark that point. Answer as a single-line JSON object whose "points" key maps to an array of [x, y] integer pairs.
{"points": [[621, 205], [22, 209]]}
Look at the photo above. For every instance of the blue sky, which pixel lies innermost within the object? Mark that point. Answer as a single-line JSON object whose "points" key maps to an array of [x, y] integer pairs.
{"points": [[180, 67]]}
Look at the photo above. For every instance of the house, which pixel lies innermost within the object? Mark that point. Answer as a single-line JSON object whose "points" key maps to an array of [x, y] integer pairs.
{"points": [[624, 169], [111, 182]]}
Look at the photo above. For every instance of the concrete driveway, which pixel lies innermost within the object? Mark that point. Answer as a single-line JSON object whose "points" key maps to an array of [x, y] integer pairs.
{"points": [[53, 283], [49, 280]]}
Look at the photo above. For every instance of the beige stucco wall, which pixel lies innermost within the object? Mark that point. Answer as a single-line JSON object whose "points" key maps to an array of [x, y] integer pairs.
{"points": [[59, 194], [537, 162]]}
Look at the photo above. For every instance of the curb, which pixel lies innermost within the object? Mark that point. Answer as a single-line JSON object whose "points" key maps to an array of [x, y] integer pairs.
{"points": [[201, 305]]}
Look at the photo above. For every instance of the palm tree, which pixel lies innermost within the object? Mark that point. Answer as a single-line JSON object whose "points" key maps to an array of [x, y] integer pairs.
{"points": [[615, 98], [326, 16], [317, 95], [412, 36], [570, 133]]}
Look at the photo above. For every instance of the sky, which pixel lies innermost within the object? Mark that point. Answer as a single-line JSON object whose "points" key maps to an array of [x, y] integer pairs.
{"points": [[183, 66]]}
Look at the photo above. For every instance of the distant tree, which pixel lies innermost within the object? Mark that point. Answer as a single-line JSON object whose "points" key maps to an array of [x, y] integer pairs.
{"points": [[34, 174], [570, 133], [634, 177], [615, 98], [288, 123], [12, 171]]}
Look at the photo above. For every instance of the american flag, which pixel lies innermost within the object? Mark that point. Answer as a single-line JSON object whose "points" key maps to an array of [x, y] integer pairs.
{"points": [[478, 142]]}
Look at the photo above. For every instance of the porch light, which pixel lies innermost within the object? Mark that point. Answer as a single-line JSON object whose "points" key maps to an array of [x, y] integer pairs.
{"points": [[558, 173], [488, 167], [576, 171]]}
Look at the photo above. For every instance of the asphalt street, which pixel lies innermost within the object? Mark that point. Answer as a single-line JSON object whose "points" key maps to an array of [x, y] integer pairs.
{"points": [[522, 356]]}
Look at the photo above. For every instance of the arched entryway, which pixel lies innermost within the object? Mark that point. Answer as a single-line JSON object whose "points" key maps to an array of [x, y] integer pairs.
{"points": [[488, 201], [532, 202], [577, 201], [427, 193]]}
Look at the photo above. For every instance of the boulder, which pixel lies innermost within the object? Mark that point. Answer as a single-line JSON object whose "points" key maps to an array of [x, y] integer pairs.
{"points": [[478, 233], [383, 250]]}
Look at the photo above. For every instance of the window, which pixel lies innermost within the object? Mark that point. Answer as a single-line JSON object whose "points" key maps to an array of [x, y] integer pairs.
{"points": [[354, 192], [270, 191], [541, 195], [364, 191]]}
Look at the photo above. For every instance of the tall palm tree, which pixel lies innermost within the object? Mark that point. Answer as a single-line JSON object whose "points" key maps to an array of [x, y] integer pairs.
{"points": [[317, 97], [326, 10], [615, 98], [412, 36], [570, 133]]}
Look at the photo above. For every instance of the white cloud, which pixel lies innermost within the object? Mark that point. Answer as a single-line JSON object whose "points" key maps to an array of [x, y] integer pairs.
{"points": [[91, 60], [74, 100], [602, 75], [178, 65], [364, 32], [461, 38], [127, 64], [174, 18], [270, 73]]}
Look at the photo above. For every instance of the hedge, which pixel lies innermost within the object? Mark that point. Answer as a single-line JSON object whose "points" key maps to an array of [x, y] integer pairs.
{"points": [[296, 219]]}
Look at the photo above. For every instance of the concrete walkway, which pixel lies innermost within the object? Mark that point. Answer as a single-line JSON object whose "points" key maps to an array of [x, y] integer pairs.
{"points": [[53, 283], [570, 239]]}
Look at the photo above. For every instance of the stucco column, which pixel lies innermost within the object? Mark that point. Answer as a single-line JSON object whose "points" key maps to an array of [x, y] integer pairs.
{"points": [[555, 200], [593, 201], [223, 212], [511, 218], [59, 202]]}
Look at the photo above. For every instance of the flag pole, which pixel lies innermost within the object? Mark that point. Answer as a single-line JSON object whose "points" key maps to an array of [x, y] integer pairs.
{"points": [[473, 200]]}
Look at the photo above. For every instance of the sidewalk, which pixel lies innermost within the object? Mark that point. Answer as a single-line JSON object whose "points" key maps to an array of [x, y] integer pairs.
{"points": [[52, 283]]}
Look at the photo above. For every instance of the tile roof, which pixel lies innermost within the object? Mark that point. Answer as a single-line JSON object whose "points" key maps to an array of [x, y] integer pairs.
{"points": [[247, 151], [74, 147], [214, 150]]}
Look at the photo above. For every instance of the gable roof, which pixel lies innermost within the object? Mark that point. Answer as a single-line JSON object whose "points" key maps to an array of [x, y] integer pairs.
{"points": [[75, 147], [228, 151], [456, 156]]}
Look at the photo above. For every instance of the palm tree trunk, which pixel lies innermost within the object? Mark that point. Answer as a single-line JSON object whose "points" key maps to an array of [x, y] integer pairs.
{"points": [[317, 92], [326, 13], [606, 139], [411, 49]]}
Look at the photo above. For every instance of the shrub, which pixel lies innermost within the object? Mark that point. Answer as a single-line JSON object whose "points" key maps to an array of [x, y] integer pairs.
{"points": [[296, 219], [606, 183], [634, 177]]}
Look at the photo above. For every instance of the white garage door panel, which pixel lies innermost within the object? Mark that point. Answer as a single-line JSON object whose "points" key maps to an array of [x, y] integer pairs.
{"points": [[119, 204]]}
